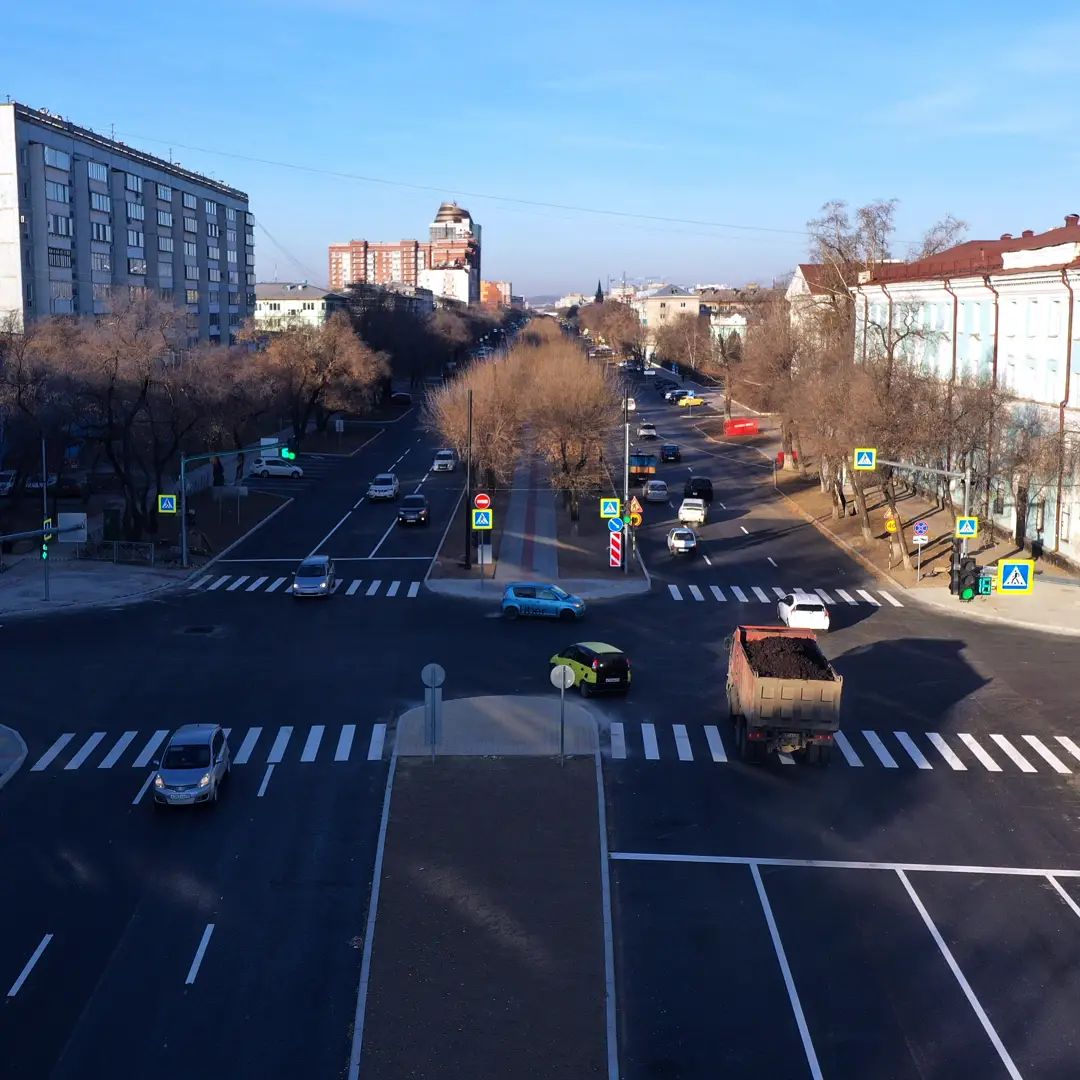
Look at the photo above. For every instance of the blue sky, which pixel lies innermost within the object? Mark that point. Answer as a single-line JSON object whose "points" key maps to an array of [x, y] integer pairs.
{"points": [[731, 114]]}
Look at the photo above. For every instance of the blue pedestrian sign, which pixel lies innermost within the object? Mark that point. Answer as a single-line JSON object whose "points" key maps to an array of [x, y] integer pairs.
{"points": [[481, 519], [865, 458], [920, 528], [166, 504], [615, 524], [609, 508], [967, 528], [1016, 576]]}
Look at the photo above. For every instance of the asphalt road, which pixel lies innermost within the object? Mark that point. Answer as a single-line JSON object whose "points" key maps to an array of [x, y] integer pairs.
{"points": [[745, 967]]}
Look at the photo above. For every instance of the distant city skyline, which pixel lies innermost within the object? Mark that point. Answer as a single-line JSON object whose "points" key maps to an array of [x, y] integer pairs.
{"points": [[579, 131]]}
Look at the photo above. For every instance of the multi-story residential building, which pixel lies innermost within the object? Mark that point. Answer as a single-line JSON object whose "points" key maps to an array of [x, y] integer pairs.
{"points": [[282, 304], [723, 326], [809, 294], [661, 305], [496, 293], [448, 262], [82, 215], [1006, 311]]}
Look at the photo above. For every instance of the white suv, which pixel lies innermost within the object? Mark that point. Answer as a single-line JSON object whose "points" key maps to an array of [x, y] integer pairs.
{"points": [[384, 486], [445, 461], [265, 467]]}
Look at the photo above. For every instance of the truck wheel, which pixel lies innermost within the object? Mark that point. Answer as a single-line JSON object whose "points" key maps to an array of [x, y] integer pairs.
{"points": [[824, 755], [741, 745]]}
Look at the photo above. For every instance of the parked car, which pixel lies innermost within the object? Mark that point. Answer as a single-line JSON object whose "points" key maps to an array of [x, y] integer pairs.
{"points": [[654, 491], [413, 510], [542, 600], [682, 541], [698, 487], [598, 668], [647, 431], [670, 452], [693, 512], [71, 486], [384, 486], [690, 400], [676, 395], [266, 467], [315, 576], [195, 764], [401, 398], [631, 404], [804, 611], [445, 461], [650, 373]]}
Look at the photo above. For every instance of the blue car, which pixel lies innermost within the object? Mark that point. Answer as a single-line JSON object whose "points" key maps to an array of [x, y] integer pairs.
{"points": [[541, 599]]}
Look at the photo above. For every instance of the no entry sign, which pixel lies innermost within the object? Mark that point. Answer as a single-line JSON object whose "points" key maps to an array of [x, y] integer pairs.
{"points": [[481, 501]]}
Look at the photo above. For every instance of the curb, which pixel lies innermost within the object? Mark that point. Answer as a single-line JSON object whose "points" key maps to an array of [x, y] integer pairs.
{"points": [[15, 737], [59, 607], [239, 540]]}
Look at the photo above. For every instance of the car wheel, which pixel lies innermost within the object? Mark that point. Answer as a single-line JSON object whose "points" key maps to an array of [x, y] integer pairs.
{"points": [[265, 474], [585, 688], [566, 615], [295, 474], [511, 612]]}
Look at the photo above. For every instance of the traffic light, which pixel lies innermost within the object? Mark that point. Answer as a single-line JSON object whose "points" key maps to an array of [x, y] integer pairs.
{"points": [[288, 453], [954, 567], [46, 524], [969, 578]]}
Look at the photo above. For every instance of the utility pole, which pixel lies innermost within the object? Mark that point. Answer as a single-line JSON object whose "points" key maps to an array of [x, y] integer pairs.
{"points": [[626, 473], [468, 489], [44, 510]]}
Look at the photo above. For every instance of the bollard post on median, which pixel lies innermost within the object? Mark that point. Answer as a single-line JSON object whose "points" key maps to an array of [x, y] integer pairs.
{"points": [[562, 677], [433, 676]]}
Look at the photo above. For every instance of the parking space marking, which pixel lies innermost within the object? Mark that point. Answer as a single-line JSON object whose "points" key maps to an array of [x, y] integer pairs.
{"points": [[716, 744], [1017, 758], [277, 751], [85, 750], [142, 790], [946, 751], [238, 582], [682, 743], [674, 590], [217, 584], [353, 587], [50, 755], [256, 583], [265, 780], [149, 749], [868, 598], [648, 738], [913, 752], [618, 740], [739, 594], [763, 597], [375, 746], [892, 600], [973, 1001], [985, 759], [311, 744], [715, 590], [1064, 895], [1069, 745], [250, 739], [200, 952], [695, 592], [846, 597], [111, 758], [345, 741], [414, 588], [880, 749], [373, 588], [847, 750], [825, 596], [16, 986], [275, 584], [1047, 754]]}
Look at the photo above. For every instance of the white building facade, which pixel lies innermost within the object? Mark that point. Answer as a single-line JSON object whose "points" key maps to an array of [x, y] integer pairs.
{"points": [[283, 304]]}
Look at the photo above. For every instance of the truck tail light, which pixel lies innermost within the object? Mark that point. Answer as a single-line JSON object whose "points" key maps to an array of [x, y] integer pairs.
{"points": [[755, 736], [826, 738]]}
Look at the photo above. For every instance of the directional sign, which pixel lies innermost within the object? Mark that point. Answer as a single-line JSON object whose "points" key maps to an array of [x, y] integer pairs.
{"points": [[635, 506], [865, 459], [635, 520], [920, 539], [967, 528], [921, 528], [615, 524], [481, 500], [609, 508], [482, 519], [890, 525], [615, 549], [1016, 576]]}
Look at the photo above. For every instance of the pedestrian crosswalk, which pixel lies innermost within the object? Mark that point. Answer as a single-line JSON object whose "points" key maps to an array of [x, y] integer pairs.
{"points": [[756, 594], [279, 583], [259, 745], [858, 749]]}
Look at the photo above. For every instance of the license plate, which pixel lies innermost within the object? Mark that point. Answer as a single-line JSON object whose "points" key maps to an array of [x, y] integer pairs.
{"points": [[613, 680]]}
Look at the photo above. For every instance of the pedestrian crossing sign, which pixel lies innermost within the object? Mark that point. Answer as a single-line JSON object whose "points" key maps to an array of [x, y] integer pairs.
{"points": [[865, 459], [610, 508], [1016, 576], [967, 528], [166, 504], [482, 519]]}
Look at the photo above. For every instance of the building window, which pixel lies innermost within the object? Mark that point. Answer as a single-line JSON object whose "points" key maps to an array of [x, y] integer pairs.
{"points": [[213, 230], [234, 298], [214, 272], [230, 213], [191, 225], [135, 238], [249, 219], [190, 201], [133, 183], [164, 192], [60, 290], [230, 237], [100, 292], [101, 230], [59, 257], [57, 192], [165, 243], [213, 252], [234, 320], [249, 258], [59, 225], [164, 270], [250, 279], [136, 211], [191, 272], [231, 255], [1040, 515], [30, 293], [249, 239], [192, 296], [164, 218], [136, 266], [57, 158], [101, 202], [96, 171], [1066, 522], [191, 249], [101, 260], [211, 208], [234, 278]]}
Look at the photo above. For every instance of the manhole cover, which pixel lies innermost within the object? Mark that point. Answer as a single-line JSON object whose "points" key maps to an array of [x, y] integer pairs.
{"points": [[199, 629]]}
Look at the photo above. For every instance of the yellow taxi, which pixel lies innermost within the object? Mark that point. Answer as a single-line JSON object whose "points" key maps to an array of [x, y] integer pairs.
{"points": [[691, 399], [597, 668]]}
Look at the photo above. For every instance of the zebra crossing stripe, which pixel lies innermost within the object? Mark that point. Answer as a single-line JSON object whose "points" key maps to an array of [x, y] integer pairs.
{"points": [[353, 587], [375, 747], [150, 749], [868, 598], [880, 749], [715, 590], [760, 595], [238, 582], [85, 750], [276, 584], [217, 584], [344, 743], [373, 588], [674, 590], [250, 739], [892, 600], [780, 594], [739, 594], [256, 583], [338, 582], [786, 759], [618, 740], [846, 597], [1069, 745], [825, 596], [394, 586], [50, 755], [682, 743], [277, 751], [913, 752], [1047, 754], [695, 592], [311, 746], [111, 758], [648, 737], [847, 750], [414, 588], [1018, 759], [946, 751], [716, 744], [985, 759], [198, 583]]}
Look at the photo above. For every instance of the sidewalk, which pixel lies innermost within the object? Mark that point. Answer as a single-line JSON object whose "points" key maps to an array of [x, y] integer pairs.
{"points": [[529, 547]]}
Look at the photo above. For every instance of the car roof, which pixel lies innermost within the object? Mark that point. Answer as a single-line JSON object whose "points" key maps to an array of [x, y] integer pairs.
{"points": [[598, 647], [322, 559], [805, 597], [531, 585], [416, 496], [693, 502], [444, 450], [669, 446], [384, 476], [193, 734]]}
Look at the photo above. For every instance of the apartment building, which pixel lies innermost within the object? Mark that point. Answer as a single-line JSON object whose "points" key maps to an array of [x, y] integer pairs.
{"points": [[283, 304], [82, 215]]}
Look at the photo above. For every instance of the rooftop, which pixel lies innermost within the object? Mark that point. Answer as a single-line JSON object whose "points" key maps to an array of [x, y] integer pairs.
{"points": [[290, 290]]}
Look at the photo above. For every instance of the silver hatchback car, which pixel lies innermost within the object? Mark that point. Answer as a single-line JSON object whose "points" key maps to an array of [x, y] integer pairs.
{"points": [[315, 576], [193, 767]]}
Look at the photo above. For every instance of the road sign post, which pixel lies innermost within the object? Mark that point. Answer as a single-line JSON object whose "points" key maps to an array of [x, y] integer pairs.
{"points": [[920, 539], [1016, 576], [482, 501], [483, 520], [562, 676], [433, 676], [615, 549]]}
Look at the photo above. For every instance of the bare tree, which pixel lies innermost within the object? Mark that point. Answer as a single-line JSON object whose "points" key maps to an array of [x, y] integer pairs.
{"points": [[687, 340]]}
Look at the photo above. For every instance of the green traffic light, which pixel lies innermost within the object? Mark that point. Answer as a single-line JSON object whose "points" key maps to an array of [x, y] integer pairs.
{"points": [[44, 551], [967, 593], [287, 454]]}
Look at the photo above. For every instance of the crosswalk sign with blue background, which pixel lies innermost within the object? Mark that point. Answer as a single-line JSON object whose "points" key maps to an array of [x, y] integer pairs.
{"points": [[482, 519], [166, 504], [1016, 576], [967, 528], [865, 458], [609, 508]]}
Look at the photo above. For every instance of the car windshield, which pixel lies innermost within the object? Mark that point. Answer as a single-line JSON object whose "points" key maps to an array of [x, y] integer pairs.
{"points": [[383, 481], [560, 594], [413, 502], [816, 608], [186, 757], [684, 534], [445, 454], [311, 569]]}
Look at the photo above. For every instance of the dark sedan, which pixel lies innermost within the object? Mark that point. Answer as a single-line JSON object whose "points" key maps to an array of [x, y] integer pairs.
{"points": [[413, 510]]}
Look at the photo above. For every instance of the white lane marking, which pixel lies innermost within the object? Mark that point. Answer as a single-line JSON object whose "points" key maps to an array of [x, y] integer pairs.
{"points": [[1046, 754], [394, 586], [868, 598], [359, 501], [373, 588], [338, 582], [973, 1001], [250, 739], [238, 582], [329, 534], [256, 583], [695, 592], [762, 596], [277, 751], [846, 597], [85, 750], [217, 584], [825, 596], [198, 583], [149, 749], [682, 743], [739, 594], [772, 561], [745, 529], [345, 741], [675, 594], [785, 970], [786, 759], [648, 737], [311, 746], [892, 599], [374, 550], [200, 952], [850, 756], [16, 986], [946, 751], [1069, 745], [277, 583], [414, 588], [111, 758], [708, 561], [880, 749], [1018, 759], [265, 781], [618, 740], [780, 594], [715, 590], [1064, 895], [145, 784], [716, 744], [375, 746], [353, 587], [913, 752], [984, 758], [49, 756]]}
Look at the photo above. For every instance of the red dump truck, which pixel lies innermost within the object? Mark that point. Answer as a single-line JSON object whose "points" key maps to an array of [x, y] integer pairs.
{"points": [[783, 694]]}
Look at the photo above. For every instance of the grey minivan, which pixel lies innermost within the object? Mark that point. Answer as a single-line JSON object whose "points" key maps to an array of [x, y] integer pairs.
{"points": [[193, 767]]}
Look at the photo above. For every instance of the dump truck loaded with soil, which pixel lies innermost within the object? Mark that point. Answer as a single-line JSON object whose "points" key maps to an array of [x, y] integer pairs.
{"points": [[783, 694]]}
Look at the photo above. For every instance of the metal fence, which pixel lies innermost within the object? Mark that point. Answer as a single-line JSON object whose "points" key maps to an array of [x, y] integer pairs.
{"points": [[128, 551]]}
